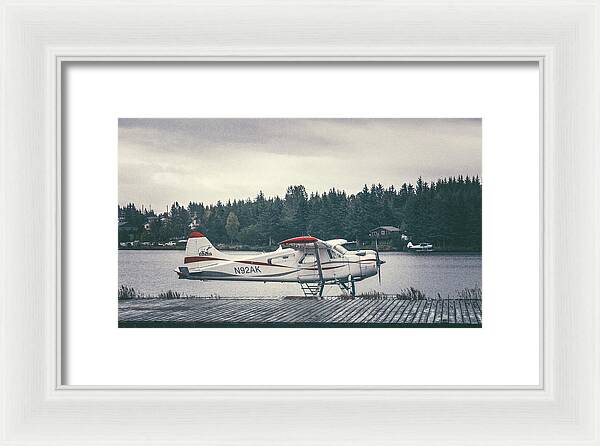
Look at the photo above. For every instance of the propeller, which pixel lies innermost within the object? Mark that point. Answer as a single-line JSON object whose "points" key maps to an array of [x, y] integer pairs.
{"points": [[378, 261]]}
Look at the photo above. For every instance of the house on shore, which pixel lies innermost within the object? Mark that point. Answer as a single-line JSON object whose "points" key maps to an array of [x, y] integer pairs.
{"points": [[382, 232]]}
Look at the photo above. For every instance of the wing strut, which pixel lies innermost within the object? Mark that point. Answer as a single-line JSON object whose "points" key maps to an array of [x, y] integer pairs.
{"points": [[321, 281]]}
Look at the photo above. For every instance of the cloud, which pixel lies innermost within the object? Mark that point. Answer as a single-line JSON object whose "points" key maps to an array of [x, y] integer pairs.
{"points": [[192, 135], [166, 160]]}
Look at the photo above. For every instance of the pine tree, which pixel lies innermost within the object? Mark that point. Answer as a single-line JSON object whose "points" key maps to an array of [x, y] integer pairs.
{"points": [[232, 227]]}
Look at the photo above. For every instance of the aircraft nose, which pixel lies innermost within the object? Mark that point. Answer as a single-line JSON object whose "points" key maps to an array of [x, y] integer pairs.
{"points": [[378, 259]]}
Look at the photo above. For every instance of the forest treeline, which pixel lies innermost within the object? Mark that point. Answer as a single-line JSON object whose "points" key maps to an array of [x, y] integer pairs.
{"points": [[446, 212]]}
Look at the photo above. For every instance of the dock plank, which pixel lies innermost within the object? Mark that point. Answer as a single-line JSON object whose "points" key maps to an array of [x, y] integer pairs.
{"points": [[352, 306], [360, 310], [389, 311], [421, 318], [400, 311], [465, 312], [282, 310], [444, 311], [247, 310], [471, 311], [415, 313], [298, 312], [457, 312], [451, 312], [477, 308], [407, 310], [382, 309]]}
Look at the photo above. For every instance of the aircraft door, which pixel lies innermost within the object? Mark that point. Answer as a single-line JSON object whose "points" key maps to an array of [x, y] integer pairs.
{"points": [[308, 267]]}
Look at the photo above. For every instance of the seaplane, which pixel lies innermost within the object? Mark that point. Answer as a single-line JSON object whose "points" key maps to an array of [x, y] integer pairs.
{"points": [[421, 247], [307, 260]]}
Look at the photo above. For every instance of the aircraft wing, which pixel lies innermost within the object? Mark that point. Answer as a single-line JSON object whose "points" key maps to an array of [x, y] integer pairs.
{"points": [[304, 242]]}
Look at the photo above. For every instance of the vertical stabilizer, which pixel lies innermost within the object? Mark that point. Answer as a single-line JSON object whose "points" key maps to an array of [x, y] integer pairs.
{"points": [[199, 246]]}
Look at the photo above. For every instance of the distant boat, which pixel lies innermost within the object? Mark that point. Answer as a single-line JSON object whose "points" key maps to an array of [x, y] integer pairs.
{"points": [[421, 247]]}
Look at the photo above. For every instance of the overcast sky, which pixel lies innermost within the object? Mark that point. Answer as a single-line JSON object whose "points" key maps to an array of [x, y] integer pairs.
{"points": [[204, 160]]}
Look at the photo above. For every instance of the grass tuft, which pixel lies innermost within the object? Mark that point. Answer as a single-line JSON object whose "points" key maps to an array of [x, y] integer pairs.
{"points": [[411, 293], [170, 295], [128, 293], [407, 293], [469, 293], [415, 294]]}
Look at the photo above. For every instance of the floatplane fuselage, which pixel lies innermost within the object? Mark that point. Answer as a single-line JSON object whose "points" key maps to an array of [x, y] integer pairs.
{"points": [[311, 262]]}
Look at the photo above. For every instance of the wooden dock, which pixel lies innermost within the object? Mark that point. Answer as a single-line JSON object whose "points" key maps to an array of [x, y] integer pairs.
{"points": [[359, 312]]}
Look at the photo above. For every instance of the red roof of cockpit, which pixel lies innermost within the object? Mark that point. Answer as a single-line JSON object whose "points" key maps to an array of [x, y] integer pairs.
{"points": [[303, 239]]}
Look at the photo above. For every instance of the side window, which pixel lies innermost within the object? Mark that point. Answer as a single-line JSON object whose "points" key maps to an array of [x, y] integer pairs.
{"points": [[277, 259], [308, 258], [331, 254]]}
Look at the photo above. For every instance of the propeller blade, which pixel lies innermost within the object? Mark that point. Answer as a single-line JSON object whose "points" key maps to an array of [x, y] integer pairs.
{"points": [[378, 261]]}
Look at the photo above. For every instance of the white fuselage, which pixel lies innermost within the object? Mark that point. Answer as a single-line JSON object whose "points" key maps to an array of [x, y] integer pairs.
{"points": [[283, 265]]}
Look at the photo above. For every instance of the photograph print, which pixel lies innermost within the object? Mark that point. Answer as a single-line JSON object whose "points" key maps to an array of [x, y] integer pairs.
{"points": [[299, 222]]}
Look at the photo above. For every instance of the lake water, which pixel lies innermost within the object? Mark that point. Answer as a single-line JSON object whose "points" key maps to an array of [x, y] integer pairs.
{"points": [[152, 272]]}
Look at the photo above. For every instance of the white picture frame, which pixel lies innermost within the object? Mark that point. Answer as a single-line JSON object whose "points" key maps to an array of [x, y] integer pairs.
{"points": [[37, 37]]}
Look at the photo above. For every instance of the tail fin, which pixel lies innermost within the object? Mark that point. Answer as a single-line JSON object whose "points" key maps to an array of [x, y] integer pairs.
{"points": [[199, 246]]}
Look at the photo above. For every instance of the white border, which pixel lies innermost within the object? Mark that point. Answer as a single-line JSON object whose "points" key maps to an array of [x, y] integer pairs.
{"points": [[564, 34], [502, 353]]}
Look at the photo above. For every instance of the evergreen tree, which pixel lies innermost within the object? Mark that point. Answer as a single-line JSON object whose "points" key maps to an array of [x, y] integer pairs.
{"points": [[232, 226]]}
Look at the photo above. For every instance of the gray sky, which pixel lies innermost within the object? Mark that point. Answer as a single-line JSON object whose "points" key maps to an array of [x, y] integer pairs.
{"points": [[204, 160]]}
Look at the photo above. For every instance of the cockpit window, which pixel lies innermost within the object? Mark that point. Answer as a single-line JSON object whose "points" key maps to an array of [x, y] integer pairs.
{"points": [[340, 249]]}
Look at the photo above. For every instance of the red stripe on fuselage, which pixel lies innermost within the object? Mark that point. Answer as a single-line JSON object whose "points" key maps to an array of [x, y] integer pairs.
{"points": [[200, 259], [254, 262], [247, 262]]}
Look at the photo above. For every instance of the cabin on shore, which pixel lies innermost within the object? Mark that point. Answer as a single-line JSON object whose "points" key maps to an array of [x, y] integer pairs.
{"points": [[384, 232]]}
